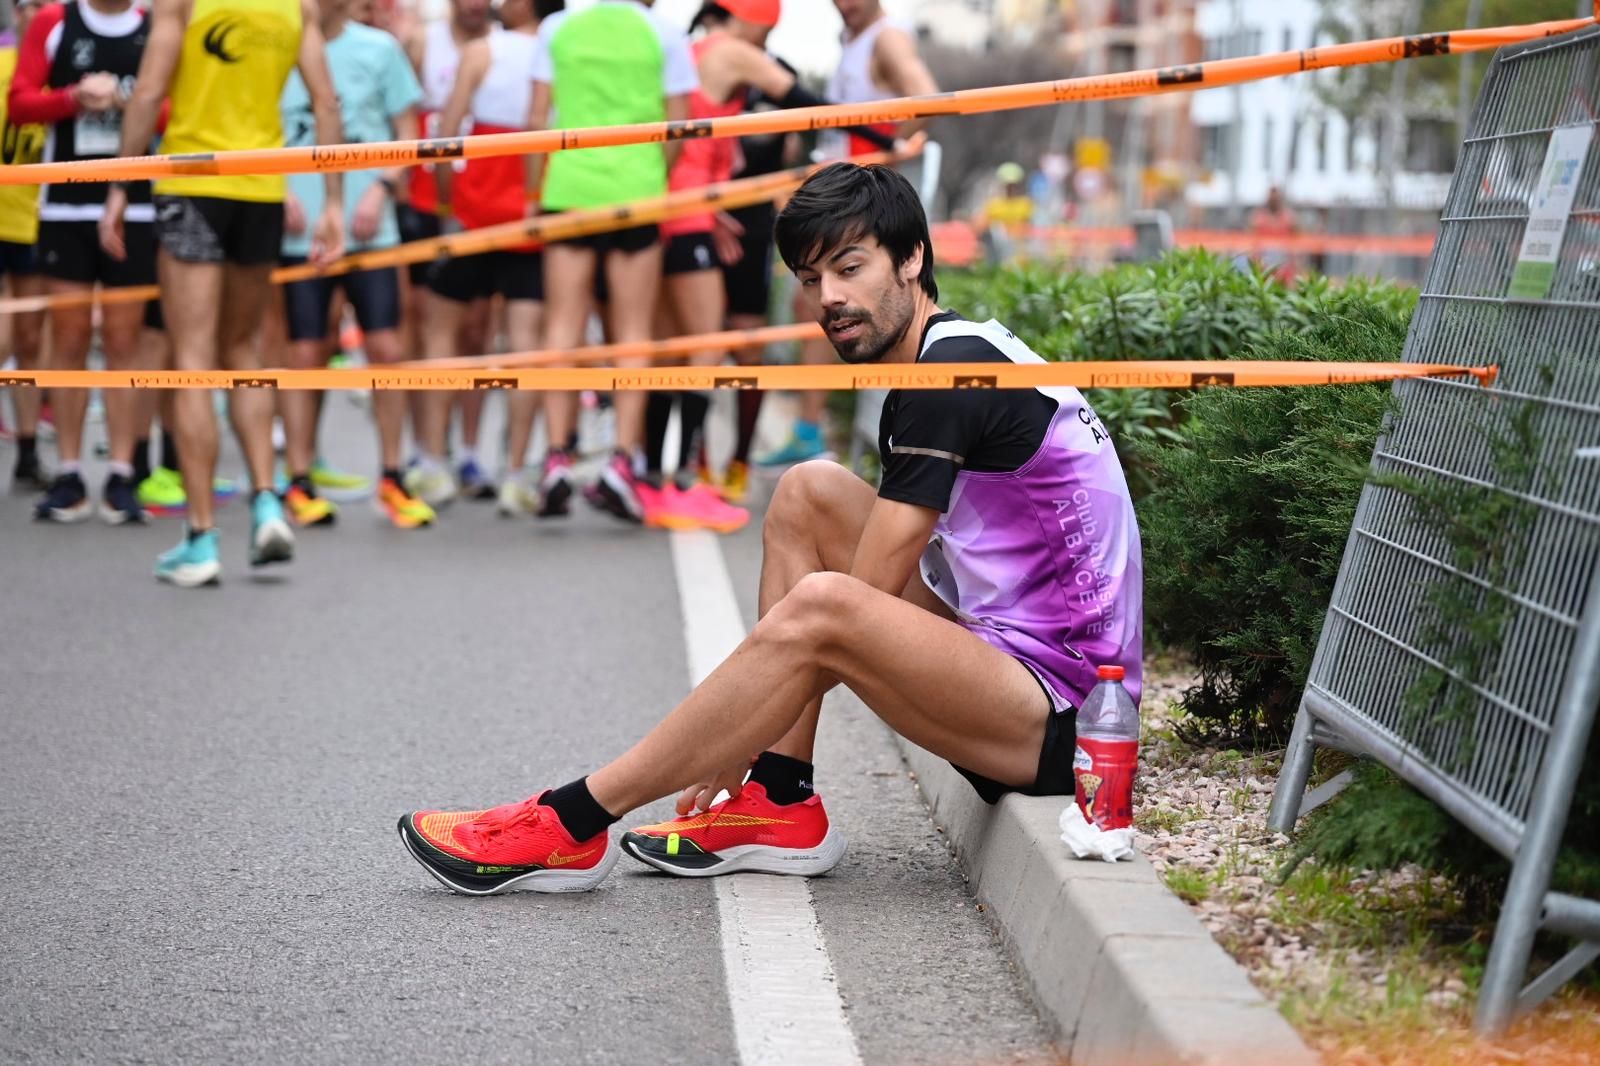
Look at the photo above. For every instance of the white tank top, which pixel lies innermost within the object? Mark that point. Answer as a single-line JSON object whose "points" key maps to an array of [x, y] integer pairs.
{"points": [[507, 90], [852, 81], [440, 58]]}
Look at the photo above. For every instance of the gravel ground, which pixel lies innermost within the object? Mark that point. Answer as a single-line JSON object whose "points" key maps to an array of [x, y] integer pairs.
{"points": [[1356, 960]]}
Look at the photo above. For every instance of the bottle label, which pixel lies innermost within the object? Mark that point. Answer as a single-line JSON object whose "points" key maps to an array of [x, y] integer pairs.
{"points": [[1104, 770]]}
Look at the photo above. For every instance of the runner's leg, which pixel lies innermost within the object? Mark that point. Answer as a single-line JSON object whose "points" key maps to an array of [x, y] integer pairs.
{"points": [[569, 271], [191, 302], [956, 696], [70, 330], [245, 291]]}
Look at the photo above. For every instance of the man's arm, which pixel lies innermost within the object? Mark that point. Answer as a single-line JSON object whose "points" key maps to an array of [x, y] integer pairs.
{"points": [[902, 71], [313, 64], [473, 69], [168, 19], [31, 99], [677, 111], [891, 544], [538, 119]]}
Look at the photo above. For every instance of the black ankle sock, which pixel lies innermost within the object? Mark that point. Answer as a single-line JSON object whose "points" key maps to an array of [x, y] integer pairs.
{"points": [[580, 815], [303, 483], [749, 413], [693, 416], [391, 473], [657, 413], [169, 451], [27, 449], [141, 459], [786, 780]]}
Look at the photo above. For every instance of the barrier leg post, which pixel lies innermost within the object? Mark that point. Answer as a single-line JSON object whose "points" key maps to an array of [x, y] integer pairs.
{"points": [[1520, 914], [1292, 779]]}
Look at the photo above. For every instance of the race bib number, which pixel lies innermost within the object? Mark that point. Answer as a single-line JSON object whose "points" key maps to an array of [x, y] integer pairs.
{"points": [[98, 134]]}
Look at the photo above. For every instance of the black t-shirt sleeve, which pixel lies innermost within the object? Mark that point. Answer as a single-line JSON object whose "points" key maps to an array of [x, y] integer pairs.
{"points": [[930, 436]]}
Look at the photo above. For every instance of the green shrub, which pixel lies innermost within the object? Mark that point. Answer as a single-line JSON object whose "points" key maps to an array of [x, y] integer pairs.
{"points": [[1186, 305], [1247, 522]]}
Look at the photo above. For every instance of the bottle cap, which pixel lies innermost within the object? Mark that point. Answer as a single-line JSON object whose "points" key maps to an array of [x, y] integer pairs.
{"points": [[1112, 673]]}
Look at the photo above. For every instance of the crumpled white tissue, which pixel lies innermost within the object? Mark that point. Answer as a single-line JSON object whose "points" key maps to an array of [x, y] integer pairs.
{"points": [[1089, 842]]}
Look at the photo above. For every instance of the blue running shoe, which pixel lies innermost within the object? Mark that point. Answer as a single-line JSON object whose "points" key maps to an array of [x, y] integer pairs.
{"points": [[271, 540], [193, 562], [803, 444], [475, 484]]}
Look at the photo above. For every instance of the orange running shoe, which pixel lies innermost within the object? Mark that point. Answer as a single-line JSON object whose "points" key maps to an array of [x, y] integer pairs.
{"points": [[515, 846], [401, 508], [746, 833], [307, 508]]}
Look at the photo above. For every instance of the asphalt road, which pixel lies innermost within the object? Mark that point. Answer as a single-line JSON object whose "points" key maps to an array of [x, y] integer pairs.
{"points": [[201, 789]]}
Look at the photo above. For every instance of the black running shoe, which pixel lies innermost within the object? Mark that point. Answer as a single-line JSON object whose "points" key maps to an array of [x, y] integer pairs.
{"points": [[119, 501], [66, 501], [555, 487]]}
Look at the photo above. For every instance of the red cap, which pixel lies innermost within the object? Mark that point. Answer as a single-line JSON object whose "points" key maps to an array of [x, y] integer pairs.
{"points": [[1112, 673], [760, 12]]}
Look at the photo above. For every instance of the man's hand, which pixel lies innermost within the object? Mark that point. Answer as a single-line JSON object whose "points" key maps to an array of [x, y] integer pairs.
{"points": [[725, 234], [110, 226], [96, 92], [369, 213], [327, 242], [294, 215], [700, 797]]}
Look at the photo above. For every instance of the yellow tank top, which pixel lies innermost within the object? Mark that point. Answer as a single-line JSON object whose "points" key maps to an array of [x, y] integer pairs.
{"points": [[19, 204], [236, 57]]}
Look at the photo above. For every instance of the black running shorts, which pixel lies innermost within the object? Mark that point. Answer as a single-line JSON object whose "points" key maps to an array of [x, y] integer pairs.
{"points": [[70, 251], [417, 226], [630, 240], [1055, 776], [514, 275], [17, 259], [689, 253], [374, 294], [210, 229], [749, 281]]}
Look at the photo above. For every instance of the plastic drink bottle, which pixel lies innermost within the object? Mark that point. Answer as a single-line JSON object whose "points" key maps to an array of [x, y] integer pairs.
{"points": [[1108, 752]]}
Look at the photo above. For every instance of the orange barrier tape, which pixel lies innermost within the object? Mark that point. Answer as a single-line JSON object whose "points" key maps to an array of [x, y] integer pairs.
{"points": [[671, 348], [1419, 245], [1102, 375], [738, 192], [1185, 78]]}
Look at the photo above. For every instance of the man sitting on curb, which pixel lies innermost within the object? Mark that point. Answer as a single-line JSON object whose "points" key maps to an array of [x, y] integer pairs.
{"points": [[1013, 504]]}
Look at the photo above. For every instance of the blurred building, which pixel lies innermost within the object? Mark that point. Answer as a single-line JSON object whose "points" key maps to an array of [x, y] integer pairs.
{"points": [[1282, 132], [1147, 147]]}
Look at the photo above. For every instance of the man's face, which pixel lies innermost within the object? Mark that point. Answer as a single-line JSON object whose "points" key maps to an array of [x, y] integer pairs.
{"points": [[857, 14], [472, 16], [861, 300]]}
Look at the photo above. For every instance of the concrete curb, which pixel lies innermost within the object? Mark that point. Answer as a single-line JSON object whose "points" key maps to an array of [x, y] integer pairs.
{"points": [[1123, 972]]}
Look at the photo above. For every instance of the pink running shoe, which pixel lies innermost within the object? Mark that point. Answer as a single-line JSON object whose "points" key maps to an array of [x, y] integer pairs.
{"points": [[705, 507]]}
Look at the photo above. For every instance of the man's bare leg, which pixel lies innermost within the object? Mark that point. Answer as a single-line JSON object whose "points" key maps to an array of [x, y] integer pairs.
{"points": [[27, 343], [191, 302], [954, 694], [634, 279], [524, 320], [569, 296], [245, 290]]}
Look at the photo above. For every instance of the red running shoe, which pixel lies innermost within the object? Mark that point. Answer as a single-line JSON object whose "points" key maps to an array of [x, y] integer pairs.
{"points": [[746, 833], [517, 846]]}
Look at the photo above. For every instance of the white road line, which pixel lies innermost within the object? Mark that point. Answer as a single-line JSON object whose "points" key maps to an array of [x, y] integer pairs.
{"points": [[781, 985]]}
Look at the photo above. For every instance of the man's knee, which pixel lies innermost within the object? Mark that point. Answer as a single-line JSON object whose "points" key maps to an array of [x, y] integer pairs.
{"points": [[802, 493], [815, 612]]}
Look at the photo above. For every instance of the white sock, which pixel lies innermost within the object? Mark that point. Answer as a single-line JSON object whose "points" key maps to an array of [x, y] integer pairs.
{"points": [[70, 467], [122, 469]]}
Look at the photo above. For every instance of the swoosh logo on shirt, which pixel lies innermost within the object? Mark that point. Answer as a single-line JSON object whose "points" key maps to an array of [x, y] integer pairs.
{"points": [[215, 42]]}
